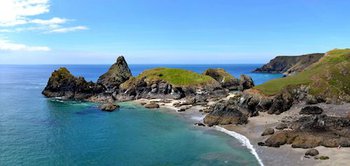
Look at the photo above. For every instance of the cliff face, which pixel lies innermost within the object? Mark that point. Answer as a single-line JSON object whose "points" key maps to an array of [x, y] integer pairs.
{"points": [[289, 64]]}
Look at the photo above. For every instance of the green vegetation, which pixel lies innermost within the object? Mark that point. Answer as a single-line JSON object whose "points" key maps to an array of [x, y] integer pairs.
{"points": [[177, 77], [329, 77]]}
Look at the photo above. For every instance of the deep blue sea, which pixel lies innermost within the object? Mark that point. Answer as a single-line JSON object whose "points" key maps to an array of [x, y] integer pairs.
{"points": [[38, 131]]}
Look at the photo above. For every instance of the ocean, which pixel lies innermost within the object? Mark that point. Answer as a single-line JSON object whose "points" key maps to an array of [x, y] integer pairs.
{"points": [[35, 130]]}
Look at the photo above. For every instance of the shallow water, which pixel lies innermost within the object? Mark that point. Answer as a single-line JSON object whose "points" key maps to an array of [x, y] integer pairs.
{"points": [[35, 130]]}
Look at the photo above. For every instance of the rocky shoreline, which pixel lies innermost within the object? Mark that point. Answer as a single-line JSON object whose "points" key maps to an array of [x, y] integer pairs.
{"points": [[294, 115]]}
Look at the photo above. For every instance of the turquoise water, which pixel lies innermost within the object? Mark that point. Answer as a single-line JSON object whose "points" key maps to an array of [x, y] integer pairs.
{"points": [[35, 130]]}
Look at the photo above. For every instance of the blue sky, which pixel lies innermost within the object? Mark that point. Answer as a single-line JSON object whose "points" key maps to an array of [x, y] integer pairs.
{"points": [[168, 31]]}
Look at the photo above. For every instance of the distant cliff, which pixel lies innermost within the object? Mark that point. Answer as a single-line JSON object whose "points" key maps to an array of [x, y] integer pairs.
{"points": [[289, 65]]}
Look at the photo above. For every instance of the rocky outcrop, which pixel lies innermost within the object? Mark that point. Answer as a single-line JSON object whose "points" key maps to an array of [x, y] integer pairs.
{"points": [[66, 86], [224, 113], [289, 64], [225, 79], [228, 81], [109, 107], [312, 131], [245, 82], [152, 86], [117, 74]]}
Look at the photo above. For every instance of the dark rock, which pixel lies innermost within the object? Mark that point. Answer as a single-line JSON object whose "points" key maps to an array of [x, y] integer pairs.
{"points": [[184, 108], [281, 126], [312, 152], [109, 107], [117, 74], [311, 110], [276, 140], [223, 114], [246, 82], [63, 84], [151, 105], [280, 103], [261, 144], [199, 124], [268, 131]]}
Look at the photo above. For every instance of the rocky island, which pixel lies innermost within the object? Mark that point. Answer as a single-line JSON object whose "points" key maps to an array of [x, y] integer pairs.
{"points": [[307, 109]]}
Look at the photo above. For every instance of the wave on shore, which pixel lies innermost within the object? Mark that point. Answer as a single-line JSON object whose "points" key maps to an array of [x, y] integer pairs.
{"points": [[244, 140]]}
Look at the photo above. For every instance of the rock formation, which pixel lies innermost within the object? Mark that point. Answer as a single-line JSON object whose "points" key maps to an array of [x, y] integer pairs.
{"points": [[64, 85], [312, 131], [224, 113], [117, 74]]}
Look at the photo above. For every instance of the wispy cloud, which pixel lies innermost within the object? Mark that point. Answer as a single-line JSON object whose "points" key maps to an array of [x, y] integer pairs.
{"points": [[16, 12], [23, 16], [68, 29], [16, 16], [6, 45]]}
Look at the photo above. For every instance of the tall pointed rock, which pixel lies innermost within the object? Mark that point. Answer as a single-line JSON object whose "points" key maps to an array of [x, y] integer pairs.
{"points": [[118, 73]]}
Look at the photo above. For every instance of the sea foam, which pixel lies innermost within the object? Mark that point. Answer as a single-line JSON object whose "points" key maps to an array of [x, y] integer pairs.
{"points": [[244, 140]]}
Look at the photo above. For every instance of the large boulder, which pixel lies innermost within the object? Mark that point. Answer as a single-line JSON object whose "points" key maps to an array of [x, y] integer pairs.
{"points": [[312, 152], [222, 114], [311, 110], [117, 74], [66, 86]]}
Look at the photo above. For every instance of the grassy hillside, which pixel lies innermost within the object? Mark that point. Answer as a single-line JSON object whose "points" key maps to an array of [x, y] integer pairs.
{"points": [[176, 77], [330, 76]]}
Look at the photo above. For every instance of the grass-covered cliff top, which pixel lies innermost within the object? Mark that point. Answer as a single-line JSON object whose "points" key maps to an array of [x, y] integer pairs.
{"points": [[330, 76], [176, 77]]}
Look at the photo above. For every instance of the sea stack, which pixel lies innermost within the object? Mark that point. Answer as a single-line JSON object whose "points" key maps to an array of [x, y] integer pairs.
{"points": [[117, 74], [66, 86]]}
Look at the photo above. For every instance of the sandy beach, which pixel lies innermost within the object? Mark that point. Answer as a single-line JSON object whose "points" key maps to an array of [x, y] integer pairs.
{"points": [[284, 155]]}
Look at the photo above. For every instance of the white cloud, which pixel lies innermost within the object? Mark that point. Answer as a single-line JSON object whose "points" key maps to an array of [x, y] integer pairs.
{"points": [[16, 12], [68, 29], [6, 45], [16, 16], [52, 21]]}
